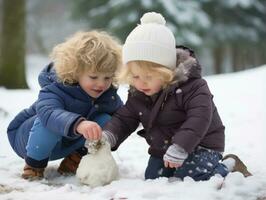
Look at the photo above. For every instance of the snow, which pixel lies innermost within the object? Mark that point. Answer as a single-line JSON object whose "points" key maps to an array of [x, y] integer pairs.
{"points": [[240, 98], [103, 168]]}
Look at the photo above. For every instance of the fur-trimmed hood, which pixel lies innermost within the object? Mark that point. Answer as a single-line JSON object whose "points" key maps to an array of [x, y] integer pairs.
{"points": [[187, 65]]}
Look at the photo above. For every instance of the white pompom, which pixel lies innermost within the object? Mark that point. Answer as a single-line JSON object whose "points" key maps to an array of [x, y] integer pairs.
{"points": [[152, 17]]}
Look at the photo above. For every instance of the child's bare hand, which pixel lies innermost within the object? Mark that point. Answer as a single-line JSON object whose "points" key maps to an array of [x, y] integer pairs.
{"points": [[171, 164], [90, 130], [174, 156]]}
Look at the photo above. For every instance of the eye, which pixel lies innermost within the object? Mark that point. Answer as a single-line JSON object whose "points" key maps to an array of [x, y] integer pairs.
{"points": [[135, 77], [93, 77], [107, 78]]}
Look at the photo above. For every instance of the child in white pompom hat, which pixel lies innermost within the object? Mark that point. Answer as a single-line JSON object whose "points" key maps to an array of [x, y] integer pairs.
{"points": [[173, 103]]}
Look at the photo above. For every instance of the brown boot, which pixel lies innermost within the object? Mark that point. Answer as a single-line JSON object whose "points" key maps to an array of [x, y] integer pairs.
{"points": [[69, 164], [239, 165], [32, 173]]}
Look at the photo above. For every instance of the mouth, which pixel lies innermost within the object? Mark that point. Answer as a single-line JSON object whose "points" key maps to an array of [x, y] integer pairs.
{"points": [[146, 90], [97, 91]]}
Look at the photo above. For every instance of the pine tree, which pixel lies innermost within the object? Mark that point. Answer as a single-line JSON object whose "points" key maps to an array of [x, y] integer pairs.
{"points": [[238, 26], [185, 18]]}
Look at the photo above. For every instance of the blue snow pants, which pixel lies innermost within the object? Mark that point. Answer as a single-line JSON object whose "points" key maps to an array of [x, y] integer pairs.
{"points": [[200, 165], [39, 145]]}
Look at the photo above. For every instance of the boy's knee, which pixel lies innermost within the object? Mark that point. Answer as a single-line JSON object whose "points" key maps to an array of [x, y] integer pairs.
{"points": [[41, 141]]}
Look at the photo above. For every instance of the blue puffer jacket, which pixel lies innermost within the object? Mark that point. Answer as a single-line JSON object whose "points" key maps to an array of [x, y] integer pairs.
{"points": [[59, 106]]}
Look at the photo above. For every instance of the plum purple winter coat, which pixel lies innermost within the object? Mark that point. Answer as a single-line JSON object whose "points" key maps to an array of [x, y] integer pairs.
{"points": [[184, 113], [59, 106]]}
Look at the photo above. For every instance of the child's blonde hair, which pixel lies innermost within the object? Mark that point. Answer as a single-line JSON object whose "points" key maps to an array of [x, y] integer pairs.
{"points": [[93, 51], [165, 74]]}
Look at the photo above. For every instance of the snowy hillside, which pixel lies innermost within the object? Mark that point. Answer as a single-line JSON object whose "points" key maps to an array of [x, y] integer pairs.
{"points": [[240, 98]]}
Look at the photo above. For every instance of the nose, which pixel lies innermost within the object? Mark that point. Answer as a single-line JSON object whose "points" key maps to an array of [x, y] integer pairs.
{"points": [[143, 82], [101, 84]]}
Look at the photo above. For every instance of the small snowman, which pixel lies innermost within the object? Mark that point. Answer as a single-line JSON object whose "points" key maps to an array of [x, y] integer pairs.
{"points": [[98, 167]]}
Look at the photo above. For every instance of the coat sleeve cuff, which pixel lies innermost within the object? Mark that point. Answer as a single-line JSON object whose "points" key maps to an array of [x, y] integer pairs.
{"points": [[110, 137], [76, 125]]}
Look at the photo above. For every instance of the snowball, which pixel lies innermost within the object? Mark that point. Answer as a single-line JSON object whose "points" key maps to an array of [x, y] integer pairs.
{"points": [[152, 17], [98, 169]]}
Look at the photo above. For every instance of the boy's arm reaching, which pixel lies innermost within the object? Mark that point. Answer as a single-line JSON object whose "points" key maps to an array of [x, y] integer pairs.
{"points": [[50, 110]]}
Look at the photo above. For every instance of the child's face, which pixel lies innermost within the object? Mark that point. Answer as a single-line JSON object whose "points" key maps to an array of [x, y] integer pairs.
{"points": [[149, 84], [95, 84]]}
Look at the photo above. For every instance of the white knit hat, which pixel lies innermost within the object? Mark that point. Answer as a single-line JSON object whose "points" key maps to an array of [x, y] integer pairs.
{"points": [[151, 41]]}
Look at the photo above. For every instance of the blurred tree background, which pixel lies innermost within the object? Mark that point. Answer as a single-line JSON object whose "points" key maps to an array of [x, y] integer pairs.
{"points": [[12, 44], [226, 35]]}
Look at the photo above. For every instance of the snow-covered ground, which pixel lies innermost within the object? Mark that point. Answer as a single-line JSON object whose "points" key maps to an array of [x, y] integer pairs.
{"points": [[240, 98]]}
